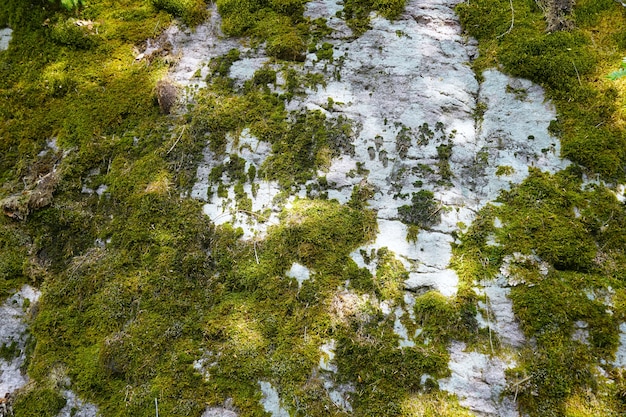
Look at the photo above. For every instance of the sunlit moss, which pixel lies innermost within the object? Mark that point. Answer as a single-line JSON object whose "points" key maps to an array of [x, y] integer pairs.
{"points": [[568, 64], [436, 404]]}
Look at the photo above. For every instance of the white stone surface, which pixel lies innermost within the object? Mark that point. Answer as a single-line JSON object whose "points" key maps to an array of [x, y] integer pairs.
{"points": [[581, 332], [391, 82], [218, 412], [327, 9], [299, 272], [271, 401], [327, 356], [479, 380], [401, 330], [245, 68], [500, 313], [339, 394], [620, 355], [195, 48], [5, 37], [75, 407], [620, 192], [224, 210], [13, 330]]}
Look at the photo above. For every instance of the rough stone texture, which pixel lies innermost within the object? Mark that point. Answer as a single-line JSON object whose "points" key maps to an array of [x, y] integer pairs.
{"points": [[421, 121], [75, 407], [500, 316], [339, 394], [479, 380], [224, 210], [299, 272], [391, 83], [5, 37], [620, 355], [401, 330], [218, 412], [14, 330], [270, 401], [193, 50]]}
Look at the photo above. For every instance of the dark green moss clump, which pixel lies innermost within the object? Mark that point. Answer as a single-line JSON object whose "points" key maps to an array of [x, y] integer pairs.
{"points": [[39, 403], [13, 257], [356, 12], [191, 12], [278, 23], [423, 211]]}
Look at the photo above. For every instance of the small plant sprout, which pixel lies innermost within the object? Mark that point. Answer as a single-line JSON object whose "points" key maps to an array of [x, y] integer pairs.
{"points": [[621, 72]]}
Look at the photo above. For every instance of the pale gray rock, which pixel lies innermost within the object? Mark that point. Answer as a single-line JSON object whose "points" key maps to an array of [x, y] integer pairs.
{"points": [[479, 381], [400, 329], [500, 316], [75, 407], [581, 332], [299, 272], [218, 412], [245, 68], [13, 332], [328, 9], [620, 355], [5, 37], [195, 48], [270, 401]]}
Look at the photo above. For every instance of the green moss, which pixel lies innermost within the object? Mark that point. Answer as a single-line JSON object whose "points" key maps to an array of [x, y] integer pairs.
{"points": [[264, 76], [565, 63], [504, 170], [38, 403], [423, 211], [557, 60], [356, 12], [546, 223], [307, 145], [436, 404], [191, 12], [9, 351], [384, 374], [14, 246], [220, 66], [68, 33], [139, 312], [278, 23], [551, 217], [431, 309], [390, 277], [325, 52]]}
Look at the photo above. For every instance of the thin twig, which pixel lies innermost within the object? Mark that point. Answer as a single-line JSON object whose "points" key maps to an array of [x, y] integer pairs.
{"points": [[522, 381], [489, 325], [156, 405], [517, 384], [255, 254], [177, 140], [577, 74], [512, 21], [251, 213]]}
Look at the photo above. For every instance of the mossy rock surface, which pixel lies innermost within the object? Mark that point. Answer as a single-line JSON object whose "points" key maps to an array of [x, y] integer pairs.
{"points": [[145, 297]]}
